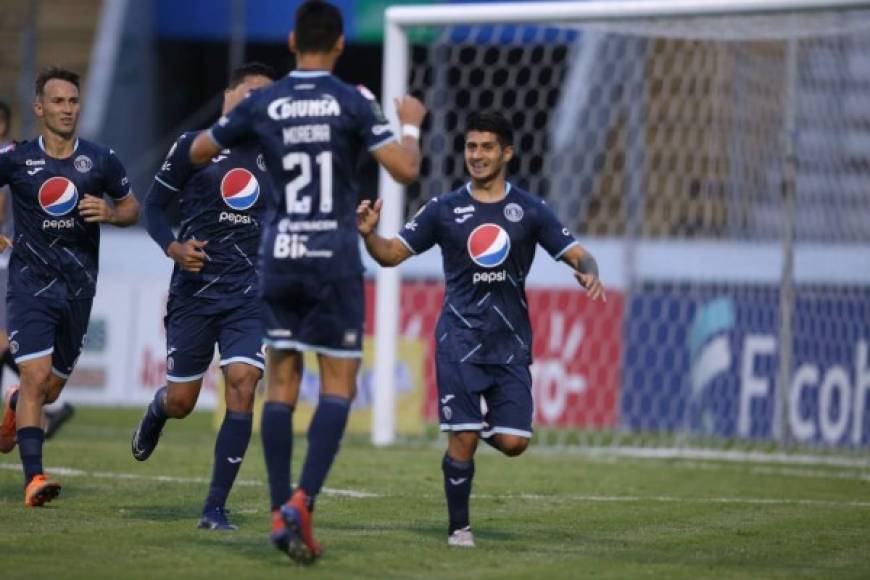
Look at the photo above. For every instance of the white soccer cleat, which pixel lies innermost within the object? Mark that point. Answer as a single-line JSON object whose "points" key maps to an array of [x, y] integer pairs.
{"points": [[462, 538]]}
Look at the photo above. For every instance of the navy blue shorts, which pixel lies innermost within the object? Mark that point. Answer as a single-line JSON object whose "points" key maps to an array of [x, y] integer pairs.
{"points": [[484, 397], [194, 325], [324, 317], [45, 326]]}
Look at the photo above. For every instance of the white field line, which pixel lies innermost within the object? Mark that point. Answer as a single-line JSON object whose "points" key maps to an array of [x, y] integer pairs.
{"points": [[719, 455], [70, 472]]}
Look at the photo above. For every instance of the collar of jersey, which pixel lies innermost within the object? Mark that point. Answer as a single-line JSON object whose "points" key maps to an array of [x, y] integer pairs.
{"points": [[309, 74], [507, 190], [42, 145]]}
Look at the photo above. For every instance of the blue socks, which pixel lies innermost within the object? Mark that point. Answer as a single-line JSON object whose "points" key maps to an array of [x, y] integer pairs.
{"points": [[30, 441], [156, 416], [457, 487], [324, 437], [276, 430], [229, 449]]}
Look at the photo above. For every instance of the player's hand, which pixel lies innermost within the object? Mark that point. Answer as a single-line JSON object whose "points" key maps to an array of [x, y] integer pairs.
{"points": [[5, 243], [593, 286], [410, 110], [94, 209], [368, 215], [189, 255]]}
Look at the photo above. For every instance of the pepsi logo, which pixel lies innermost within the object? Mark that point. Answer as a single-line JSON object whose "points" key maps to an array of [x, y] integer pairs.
{"points": [[58, 196], [488, 245], [240, 189]]}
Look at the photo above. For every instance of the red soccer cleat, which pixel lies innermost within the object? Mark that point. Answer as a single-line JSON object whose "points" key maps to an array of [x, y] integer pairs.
{"points": [[40, 491], [301, 546], [7, 427]]}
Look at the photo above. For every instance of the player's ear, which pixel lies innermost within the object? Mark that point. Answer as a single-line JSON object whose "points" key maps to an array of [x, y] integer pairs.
{"points": [[339, 45], [508, 153], [291, 42], [37, 108]]}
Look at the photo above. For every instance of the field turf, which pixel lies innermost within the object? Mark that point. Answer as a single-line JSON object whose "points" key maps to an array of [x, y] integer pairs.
{"points": [[547, 514]]}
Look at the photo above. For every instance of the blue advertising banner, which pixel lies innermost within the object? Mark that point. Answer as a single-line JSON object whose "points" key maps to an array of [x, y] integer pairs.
{"points": [[705, 361]]}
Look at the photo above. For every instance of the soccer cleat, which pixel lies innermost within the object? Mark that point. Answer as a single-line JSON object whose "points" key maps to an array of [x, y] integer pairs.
{"points": [[298, 522], [54, 419], [40, 491], [462, 538], [7, 427], [144, 441], [279, 535], [215, 519]]}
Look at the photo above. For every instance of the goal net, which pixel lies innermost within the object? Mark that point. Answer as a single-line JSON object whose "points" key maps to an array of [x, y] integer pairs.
{"points": [[715, 157]]}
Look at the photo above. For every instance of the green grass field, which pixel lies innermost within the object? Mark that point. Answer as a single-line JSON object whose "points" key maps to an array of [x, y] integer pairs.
{"points": [[543, 515]]}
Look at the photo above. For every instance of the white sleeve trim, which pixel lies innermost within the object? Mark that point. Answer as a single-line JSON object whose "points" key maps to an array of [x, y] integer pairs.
{"points": [[214, 139], [380, 144], [166, 185], [565, 249], [407, 245]]}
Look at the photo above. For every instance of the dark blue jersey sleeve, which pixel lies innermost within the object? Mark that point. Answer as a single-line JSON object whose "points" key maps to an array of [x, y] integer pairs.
{"points": [[116, 183], [420, 233], [168, 182], [372, 126], [552, 235], [156, 220], [6, 163], [235, 127]]}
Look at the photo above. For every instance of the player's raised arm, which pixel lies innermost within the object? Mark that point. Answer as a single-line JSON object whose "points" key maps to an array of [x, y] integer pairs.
{"points": [[585, 271], [203, 148], [386, 252], [402, 160]]}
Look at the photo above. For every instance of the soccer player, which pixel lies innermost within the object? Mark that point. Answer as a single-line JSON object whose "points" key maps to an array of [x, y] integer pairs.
{"points": [[52, 419], [213, 291], [57, 183], [487, 231], [312, 127]]}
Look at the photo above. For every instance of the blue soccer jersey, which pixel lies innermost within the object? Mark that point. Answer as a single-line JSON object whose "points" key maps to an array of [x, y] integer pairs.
{"points": [[487, 250], [222, 203], [55, 252], [312, 128]]}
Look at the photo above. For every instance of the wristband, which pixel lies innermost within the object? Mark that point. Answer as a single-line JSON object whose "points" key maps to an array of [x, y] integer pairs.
{"points": [[412, 131]]}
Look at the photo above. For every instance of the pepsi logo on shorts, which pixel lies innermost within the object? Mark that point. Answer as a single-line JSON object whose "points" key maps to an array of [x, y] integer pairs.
{"points": [[488, 245], [240, 189]]}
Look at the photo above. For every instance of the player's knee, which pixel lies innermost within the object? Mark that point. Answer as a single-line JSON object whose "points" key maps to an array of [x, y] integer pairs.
{"points": [[241, 385], [512, 445], [35, 382], [179, 405]]}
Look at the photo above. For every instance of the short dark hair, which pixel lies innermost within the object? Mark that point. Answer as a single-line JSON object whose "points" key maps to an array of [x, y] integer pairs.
{"points": [[54, 72], [250, 69], [318, 26], [491, 122]]}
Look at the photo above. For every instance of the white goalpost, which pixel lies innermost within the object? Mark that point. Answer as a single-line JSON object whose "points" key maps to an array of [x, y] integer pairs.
{"points": [[710, 153]]}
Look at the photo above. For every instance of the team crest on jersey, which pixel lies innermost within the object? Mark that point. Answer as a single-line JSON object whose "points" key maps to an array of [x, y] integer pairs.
{"points": [[261, 162], [513, 212], [240, 189], [488, 245], [83, 164], [58, 196]]}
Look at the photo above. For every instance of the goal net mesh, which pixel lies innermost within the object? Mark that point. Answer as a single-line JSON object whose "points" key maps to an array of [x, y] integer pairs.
{"points": [[719, 168]]}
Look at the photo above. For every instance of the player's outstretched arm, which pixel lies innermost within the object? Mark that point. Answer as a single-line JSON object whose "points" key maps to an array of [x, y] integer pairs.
{"points": [[203, 148], [402, 160], [124, 212], [585, 271], [386, 252]]}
